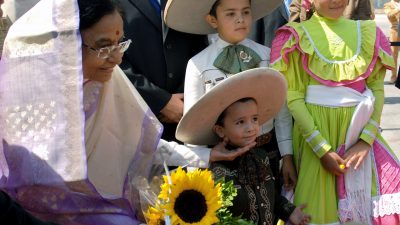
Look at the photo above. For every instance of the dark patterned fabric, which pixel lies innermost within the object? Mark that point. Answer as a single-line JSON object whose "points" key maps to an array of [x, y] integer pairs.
{"points": [[257, 199]]}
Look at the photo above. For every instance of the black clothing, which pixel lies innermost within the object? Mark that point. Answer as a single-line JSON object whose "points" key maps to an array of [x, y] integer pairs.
{"points": [[11, 213], [156, 61]]}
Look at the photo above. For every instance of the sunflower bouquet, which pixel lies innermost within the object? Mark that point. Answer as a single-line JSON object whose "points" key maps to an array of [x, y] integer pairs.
{"points": [[193, 198]]}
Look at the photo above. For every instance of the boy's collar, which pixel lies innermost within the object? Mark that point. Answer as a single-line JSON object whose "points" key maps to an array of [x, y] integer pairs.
{"points": [[222, 43]]}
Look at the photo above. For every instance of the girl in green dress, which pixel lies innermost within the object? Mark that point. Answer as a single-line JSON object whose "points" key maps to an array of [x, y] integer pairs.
{"points": [[335, 69]]}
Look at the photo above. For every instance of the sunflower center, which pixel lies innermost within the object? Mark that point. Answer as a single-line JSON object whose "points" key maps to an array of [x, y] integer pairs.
{"points": [[190, 206]]}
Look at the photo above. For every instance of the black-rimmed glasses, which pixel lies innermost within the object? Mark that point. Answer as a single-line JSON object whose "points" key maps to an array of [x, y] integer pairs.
{"points": [[104, 53]]}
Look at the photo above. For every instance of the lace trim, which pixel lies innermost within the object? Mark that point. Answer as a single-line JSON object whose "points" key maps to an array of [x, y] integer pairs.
{"points": [[385, 205], [336, 61], [355, 211]]}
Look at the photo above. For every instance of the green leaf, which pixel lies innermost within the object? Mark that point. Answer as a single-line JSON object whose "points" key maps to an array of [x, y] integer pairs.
{"points": [[229, 192]]}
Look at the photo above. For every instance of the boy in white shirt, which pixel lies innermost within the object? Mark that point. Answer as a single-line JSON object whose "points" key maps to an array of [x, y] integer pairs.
{"points": [[230, 54]]}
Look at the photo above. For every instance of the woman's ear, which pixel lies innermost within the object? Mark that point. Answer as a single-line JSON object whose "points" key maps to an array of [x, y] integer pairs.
{"points": [[212, 21], [219, 130]]}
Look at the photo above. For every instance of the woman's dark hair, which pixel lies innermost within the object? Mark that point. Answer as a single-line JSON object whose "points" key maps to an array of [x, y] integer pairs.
{"points": [[221, 117], [91, 11]]}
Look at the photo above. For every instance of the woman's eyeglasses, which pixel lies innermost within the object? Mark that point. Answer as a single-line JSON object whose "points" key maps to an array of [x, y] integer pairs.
{"points": [[105, 52]]}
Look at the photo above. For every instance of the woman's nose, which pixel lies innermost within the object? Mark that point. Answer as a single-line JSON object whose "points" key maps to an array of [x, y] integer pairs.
{"points": [[115, 57]]}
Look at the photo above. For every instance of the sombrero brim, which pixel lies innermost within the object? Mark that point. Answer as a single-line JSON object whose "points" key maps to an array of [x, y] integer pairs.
{"points": [[189, 16], [267, 86]]}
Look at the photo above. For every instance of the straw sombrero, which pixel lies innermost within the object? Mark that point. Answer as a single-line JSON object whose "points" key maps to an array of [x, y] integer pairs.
{"points": [[189, 16], [267, 86]]}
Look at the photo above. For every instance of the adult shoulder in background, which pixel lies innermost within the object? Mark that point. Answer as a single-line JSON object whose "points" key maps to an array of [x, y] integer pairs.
{"points": [[156, 61], [263, 30]]}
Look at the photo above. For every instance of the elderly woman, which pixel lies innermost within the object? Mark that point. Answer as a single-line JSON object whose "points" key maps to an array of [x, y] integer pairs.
{"points": [[76, 135]]}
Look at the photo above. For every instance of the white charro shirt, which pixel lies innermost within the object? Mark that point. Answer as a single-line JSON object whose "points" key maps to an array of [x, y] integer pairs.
{"points": [[202, 75]]}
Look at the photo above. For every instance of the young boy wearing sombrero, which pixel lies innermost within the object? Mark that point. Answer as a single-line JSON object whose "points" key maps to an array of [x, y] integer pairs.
{"points": [[230, 54], [235, 116]]}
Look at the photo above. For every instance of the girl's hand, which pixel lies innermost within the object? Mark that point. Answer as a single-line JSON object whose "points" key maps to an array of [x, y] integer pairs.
{"points": [[356, 154], [298, 217], [331, 161]]}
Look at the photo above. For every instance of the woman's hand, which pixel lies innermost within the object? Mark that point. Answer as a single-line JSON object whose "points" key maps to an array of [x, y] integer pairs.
{"points": [[220, 153], [331, 161], [356, 154]]}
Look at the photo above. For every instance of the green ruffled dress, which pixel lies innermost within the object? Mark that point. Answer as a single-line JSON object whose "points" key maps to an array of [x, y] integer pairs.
{"points": [[328, 52]]}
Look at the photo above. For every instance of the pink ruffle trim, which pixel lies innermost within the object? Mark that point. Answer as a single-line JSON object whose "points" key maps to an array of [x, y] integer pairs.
{"points": [[286, 32]]}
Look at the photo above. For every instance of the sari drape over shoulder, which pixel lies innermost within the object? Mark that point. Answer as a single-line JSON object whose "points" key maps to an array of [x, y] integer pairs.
{"points": [[56, 163]]}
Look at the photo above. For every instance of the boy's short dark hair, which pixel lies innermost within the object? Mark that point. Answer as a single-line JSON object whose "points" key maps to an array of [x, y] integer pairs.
{"points": [[221, 117], [213, 10]]}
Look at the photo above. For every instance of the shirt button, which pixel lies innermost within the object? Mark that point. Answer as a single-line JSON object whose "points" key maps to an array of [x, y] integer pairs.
{"points": [[170, 75], [262, 204], [258, 187], [169, 46]]}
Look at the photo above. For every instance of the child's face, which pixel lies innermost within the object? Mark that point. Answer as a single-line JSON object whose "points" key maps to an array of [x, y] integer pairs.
{"points": [[233, 21], [331, 9], [240, 124]]}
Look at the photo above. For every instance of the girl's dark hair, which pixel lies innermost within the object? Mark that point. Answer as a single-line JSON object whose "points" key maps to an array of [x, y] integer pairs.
{"points": [[91, 11], [221, 117]]}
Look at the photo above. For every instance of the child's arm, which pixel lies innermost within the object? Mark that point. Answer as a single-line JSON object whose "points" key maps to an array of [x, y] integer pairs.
{"points": [[357, 153], [286, 211], [194, 86], [283, 208], [283, 124], [297, 86], [298, 217], [196, 156]]}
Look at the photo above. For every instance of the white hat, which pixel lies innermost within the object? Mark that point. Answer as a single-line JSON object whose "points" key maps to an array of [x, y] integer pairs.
{"points": [[267, 86], [190, 15]]}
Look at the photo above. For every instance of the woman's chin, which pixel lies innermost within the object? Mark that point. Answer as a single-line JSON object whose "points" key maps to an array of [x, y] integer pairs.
{"points": [[102, 76]]}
